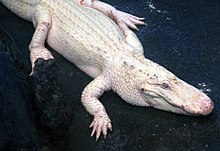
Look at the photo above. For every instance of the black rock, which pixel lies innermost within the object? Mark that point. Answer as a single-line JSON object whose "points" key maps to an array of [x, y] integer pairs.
{"points": [[53, 110], [17, 130]]}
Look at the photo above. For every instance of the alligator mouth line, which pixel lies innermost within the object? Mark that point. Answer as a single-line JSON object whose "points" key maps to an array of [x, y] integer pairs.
{"points": [[171, 104], [186, 112]]}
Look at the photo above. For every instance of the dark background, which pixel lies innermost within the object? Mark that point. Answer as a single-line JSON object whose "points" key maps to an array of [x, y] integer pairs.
{"points": [[184, 37]]}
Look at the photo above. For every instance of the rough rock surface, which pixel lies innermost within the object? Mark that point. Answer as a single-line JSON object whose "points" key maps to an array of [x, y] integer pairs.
{"points": [[53, 111], [33, 111], [17, 128]]}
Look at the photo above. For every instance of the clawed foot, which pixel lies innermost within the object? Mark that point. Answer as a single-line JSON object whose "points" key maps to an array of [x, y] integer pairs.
{"points": [[100, 124], [118, 16], [37, 53], [128, 19]]}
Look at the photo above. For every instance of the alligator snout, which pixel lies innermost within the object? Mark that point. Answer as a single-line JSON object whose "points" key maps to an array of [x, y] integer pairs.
{"points": [[200, 107], [194, 101], [206, 106]]}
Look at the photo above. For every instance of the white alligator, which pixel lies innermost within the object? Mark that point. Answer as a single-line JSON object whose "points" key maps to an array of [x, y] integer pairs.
{"points": [[95, 37]]}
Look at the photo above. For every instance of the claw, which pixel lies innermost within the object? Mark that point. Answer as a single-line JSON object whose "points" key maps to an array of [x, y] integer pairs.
{"points": [[31, 72], [137, 22], [104, 130], [93, 132], [137, 18], [128, 19], [131, 25], [100, 125], [110, 126], [98, 133], [91, 125]]}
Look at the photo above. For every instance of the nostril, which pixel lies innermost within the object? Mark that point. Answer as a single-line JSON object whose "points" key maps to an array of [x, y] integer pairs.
{"points": [[207, 106]]}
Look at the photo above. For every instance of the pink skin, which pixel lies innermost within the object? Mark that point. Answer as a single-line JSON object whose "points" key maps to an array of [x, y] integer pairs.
{"points": [[118, 16], [36, 47], [102, 122]]}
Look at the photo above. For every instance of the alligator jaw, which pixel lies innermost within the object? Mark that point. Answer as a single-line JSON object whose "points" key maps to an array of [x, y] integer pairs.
{"points": [[198, 104], [167, 92]]}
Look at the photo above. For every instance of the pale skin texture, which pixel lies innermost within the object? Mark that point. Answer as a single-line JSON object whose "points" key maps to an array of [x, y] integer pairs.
{"points": [[42, 21], [97, 39], [102, 122]]}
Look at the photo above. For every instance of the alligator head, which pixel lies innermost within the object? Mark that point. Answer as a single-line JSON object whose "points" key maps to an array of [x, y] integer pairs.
{"points": [[163, 90], [143, 82]]}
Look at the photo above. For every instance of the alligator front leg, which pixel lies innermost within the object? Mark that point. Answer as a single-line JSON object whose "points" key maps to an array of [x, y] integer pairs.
{"points": [[93, 90], [118, 16], [42, 22]]}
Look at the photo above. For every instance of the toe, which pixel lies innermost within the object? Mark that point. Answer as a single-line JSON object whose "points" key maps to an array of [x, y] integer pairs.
{"points": [[109, 126], [137, 18], [137, 22], [100, 126], [98, 133], [104, 130], [131, 25]]}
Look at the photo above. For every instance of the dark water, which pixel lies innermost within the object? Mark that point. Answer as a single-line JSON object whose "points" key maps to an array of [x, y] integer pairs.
{"points": [[184, 37]]}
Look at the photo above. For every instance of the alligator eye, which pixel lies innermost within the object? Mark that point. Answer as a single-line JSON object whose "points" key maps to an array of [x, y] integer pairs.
{"points": [[165, 85]]}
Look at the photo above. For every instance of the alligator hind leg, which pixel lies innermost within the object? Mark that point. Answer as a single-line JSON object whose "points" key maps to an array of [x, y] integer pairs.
{"points": [[133, 42], [118, 16], [42, 22]]}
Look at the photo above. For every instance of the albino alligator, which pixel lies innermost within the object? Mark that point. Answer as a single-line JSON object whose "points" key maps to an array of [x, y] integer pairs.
{"points": [[96, 38]]}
